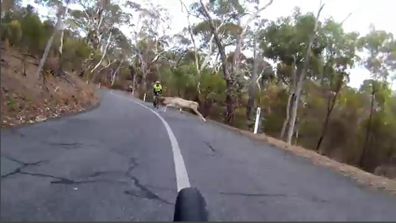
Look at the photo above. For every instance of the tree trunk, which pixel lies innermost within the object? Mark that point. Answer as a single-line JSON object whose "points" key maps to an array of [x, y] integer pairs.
{"points": [[286, 123], [144, 69], [104, 53], [24, 64], [133, 73], [300, 81], [60, 68], [294, 107], [326, 122], [251, 104], [237, 53], [49, 43], [63, 33], [196, 61], [114, 75], [61, 42], [362, 160], [252, 86], [330, 109], [230, 103], [297, 131], [134, 85], [45, 55]]}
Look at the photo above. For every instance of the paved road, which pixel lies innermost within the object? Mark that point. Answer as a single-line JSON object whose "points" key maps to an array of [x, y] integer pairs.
{"points": [[117, 163]]}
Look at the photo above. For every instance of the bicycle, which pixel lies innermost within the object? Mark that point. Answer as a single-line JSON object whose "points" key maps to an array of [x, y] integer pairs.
{"points": [[155, 101]]}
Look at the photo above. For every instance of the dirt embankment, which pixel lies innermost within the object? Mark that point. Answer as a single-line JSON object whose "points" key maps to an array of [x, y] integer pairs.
{"points": [[24, 97]]}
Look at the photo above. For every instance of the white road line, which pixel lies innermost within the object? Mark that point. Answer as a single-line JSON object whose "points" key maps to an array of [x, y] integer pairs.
{"points": [[182, 179]]}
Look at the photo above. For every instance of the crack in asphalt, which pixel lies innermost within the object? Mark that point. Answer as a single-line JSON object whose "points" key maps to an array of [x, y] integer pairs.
{"points": [[65, 145], [67, 181], [58, 180], [210, 146], [18, 170], [318, 199], [252, 194], [132, 165], [74, 145], [141, 192], [23, 165], [101, 173], [144, 191]]}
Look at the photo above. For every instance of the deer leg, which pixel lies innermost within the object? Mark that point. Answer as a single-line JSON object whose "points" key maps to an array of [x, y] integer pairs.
{"points": [[199, 114]]}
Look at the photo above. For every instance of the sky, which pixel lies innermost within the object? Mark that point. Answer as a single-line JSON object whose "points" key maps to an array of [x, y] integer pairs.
{"points": [[379, 13]]}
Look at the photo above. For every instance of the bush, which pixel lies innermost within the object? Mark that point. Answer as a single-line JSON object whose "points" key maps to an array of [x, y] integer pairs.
{"points": [[12, 105], [272, 101], [12, 31], [33, 37], [240, 118], [118, 85], [213, 87], [75, 51]]}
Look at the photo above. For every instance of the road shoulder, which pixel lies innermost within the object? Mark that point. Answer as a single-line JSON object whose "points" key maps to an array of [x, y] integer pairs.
{"points": [[360, 176]]}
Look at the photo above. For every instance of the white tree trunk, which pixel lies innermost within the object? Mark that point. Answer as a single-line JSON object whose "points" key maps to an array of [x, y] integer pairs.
{"points": [[104, 53], [300, 81], [287, 119], [48, 46], [45, 55], [63, 32], [61, 42], [286, 122], [134, 85], [113, 77], [252, 85]]}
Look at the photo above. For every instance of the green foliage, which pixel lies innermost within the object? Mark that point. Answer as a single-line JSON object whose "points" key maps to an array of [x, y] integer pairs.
{"points": [[221, 7], [74, 52], [212, 87], [273, 101], [12, 104], [287, 38], [240, 118], [34, 37], [379, 46], [12, 31], [182, 81], [125, 73]]}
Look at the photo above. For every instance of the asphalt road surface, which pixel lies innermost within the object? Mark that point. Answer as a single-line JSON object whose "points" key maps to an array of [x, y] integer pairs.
{"points": [[121, 161]]}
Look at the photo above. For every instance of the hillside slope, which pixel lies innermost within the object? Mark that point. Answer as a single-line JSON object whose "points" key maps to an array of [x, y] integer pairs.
{"points": [[24, 97]]}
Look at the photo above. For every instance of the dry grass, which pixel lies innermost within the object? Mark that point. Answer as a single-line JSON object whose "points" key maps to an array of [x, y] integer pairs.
{"points": [[26, 100], [360, 176]]}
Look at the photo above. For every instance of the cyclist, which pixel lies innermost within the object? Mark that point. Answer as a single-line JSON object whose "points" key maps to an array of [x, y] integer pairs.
{"points": [[157, 90]]}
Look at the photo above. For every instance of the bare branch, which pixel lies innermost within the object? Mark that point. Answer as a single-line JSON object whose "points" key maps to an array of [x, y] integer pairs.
{"points": [[346, 18], [157, 57]]}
